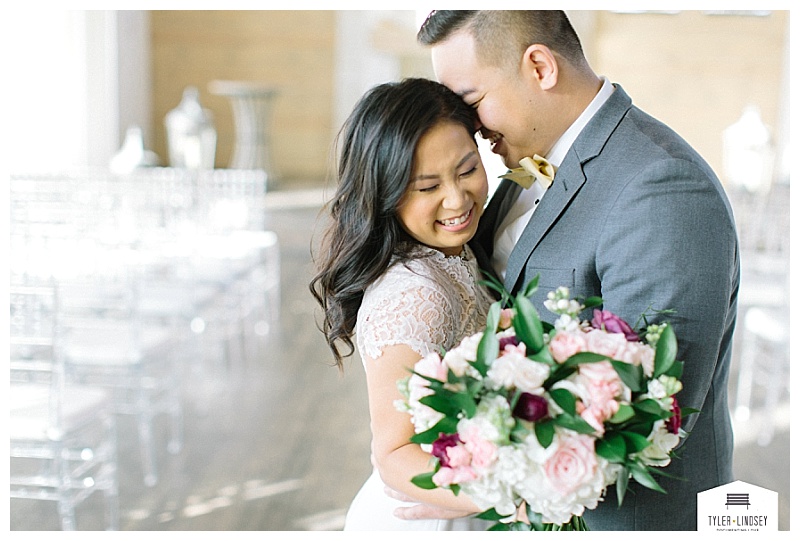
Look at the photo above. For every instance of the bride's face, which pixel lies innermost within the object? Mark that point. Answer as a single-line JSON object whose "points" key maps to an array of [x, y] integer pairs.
{"points": [[447, 191]]}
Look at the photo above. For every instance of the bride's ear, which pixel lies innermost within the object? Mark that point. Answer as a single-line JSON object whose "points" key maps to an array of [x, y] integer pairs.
{"points": [[539, 66]]}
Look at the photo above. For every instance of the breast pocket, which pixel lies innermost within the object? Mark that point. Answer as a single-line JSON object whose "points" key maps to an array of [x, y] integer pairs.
{"points": [[550, 279]]}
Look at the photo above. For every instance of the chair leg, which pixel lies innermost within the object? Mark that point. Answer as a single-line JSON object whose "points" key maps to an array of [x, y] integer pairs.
{"points": [[66, 508], [146, 441]]}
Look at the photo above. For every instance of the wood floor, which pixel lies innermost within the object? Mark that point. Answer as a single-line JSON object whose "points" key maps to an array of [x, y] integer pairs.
{"points": [[282, 443]]}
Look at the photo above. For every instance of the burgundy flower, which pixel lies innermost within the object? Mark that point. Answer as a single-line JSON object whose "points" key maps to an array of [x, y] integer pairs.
{"points": [[440, 447], [674, 422], [605, 320], [531, 407], [508, 341]]}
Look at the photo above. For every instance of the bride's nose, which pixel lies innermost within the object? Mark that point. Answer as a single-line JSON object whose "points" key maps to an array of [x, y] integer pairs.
{"points": [[454, 196]]}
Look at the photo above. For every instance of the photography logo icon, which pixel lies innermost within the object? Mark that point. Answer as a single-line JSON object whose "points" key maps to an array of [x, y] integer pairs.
{"points": [[739, 507]]}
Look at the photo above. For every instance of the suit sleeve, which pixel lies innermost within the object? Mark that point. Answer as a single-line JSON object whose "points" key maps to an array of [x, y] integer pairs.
{"points": [[669, 242]]}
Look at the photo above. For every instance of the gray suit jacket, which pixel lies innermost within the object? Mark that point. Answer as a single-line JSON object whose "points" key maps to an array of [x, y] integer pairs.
{"points": [[637, 217]]}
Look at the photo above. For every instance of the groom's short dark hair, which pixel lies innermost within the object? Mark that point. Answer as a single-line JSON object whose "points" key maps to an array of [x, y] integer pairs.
{"points": [[502, 36]]}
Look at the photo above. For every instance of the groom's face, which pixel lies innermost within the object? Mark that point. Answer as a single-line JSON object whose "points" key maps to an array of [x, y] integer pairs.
{"points": [[506, 105]]}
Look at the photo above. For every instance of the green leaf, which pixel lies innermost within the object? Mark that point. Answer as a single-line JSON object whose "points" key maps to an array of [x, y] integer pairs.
{"points": [[535, 519], [424, 480], [531, 287], [631, 375], [448, 425], [653, 408], [666, 351], [624, 413], [491, 514], [612, 448], [643, 477], [676, 370], [488, 349], [591, 302], [573, 422], [444, 402], [634, 442], [545, 431], [564, 399], [527, 325], [584, 357], [543, 356], [622, 485]]}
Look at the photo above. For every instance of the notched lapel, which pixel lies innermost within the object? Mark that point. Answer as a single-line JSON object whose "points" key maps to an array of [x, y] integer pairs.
{"points": [[567, 183]]}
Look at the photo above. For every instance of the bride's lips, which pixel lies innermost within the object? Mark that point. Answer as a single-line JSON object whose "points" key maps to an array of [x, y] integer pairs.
{"points": [[457, 223]]}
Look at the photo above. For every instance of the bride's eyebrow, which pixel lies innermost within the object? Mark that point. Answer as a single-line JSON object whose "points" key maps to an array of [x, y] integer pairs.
{"points": [[463, 160]]}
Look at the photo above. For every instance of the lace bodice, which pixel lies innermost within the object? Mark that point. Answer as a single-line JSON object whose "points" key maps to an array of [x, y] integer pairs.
{"points": [[429, 302]]}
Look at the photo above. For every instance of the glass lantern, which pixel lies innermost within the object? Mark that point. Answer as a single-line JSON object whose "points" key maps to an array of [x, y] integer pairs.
{"points": [[191, 136]]}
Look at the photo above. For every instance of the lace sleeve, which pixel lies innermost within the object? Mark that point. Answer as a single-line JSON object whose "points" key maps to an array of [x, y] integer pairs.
{"points": [[403, 308]]}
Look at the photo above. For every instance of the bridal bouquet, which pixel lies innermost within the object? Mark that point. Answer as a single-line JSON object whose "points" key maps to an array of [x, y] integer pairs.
{"points": [[547, 415]]}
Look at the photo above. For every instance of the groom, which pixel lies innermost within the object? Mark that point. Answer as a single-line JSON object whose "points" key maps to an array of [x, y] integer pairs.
{"points": [[634, 215]]}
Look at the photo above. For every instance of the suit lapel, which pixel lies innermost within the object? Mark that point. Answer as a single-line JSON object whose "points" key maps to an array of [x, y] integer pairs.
{"points": [[568, 181]]}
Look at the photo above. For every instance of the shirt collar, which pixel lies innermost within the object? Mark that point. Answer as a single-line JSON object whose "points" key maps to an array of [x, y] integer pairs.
{"points": [[559, 150]]}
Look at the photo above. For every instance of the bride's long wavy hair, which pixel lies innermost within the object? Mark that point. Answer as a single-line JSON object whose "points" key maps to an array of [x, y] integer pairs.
{"points": [[376, 151]]}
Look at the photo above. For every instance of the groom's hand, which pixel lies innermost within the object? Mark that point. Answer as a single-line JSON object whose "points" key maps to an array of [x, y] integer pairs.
{"points": [[421, 511]]}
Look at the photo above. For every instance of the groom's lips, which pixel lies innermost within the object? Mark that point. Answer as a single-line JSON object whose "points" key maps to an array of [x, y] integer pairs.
{"points": [[494, 142]]}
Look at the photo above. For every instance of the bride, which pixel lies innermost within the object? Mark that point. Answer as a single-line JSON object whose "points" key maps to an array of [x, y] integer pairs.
{"points": [[395, 272]]}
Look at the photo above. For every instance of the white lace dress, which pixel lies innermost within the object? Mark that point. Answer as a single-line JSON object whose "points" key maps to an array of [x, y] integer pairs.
{"points": [[430, 302]]}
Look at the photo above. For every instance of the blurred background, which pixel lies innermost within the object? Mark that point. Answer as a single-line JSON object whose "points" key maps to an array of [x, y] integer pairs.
{"points": [[178, 161]]}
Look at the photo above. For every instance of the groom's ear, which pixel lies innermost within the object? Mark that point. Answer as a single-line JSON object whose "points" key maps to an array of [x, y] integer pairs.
{"points": [[539, 65]]}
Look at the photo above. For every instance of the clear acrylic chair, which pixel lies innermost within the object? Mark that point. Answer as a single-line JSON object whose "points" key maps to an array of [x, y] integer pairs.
{"points": [[107, 342], [63, 445]]}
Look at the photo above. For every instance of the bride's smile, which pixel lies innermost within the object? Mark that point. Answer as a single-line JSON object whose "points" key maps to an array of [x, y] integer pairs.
{"points": [[447, 190]]}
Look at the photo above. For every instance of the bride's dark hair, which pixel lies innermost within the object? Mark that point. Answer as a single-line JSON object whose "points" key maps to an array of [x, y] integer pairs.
{"points": [[377, 144]]}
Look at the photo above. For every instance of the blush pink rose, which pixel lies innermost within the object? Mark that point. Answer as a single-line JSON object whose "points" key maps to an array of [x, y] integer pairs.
{"points": [[566, 344], [612, 345], [573, 465]]}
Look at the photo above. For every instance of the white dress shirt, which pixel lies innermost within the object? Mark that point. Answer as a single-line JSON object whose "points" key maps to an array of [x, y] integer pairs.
{"points": [[520, 213]]}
